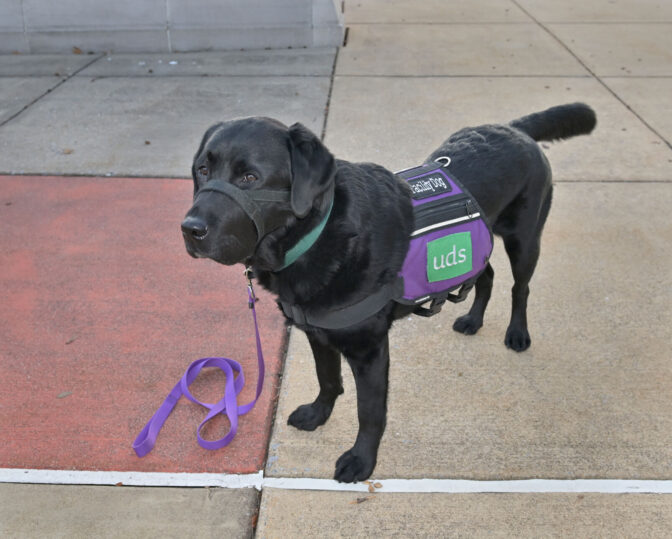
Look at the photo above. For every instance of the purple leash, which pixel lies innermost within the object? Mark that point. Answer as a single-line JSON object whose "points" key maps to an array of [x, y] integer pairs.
{"points": [[145, 441]]}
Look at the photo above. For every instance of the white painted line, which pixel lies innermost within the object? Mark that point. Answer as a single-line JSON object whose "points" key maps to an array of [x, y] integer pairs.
{"points": [[141, 479], [258, 481], [462, 486]]}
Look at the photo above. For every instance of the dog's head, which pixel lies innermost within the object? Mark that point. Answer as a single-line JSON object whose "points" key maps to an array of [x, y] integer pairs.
{"points": [[251, 177]]}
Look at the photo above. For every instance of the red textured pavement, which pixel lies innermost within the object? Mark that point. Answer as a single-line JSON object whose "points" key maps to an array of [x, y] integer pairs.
{"points": [[101, 311]]}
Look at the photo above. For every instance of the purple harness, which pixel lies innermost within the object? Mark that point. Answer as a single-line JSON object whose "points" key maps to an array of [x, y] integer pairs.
{"points": [[451, 242], [449, 248]]}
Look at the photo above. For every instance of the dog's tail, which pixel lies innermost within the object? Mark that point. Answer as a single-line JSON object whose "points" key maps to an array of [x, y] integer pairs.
{"points": [[557, 123]]}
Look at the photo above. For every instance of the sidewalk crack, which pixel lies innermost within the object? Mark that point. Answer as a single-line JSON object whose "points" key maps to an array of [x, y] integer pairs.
{"points": [[331, 89], [593, 74], [49, 90]]}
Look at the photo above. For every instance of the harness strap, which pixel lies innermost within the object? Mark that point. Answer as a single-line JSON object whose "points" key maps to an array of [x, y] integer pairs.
{"points": [[347, 316], [228, 405]]}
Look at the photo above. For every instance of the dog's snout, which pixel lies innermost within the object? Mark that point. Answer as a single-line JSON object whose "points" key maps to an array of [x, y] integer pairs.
{"points": [[194, 227]]}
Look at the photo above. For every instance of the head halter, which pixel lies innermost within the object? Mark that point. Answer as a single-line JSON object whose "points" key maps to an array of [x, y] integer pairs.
{"points": [[248, 200]]}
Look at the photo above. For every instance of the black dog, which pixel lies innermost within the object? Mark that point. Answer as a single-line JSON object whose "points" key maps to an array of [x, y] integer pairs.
{"points": [[261, 189]]}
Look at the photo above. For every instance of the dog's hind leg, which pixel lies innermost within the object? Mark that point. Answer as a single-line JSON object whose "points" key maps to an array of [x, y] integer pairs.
{"points": [[471, 322], [523, 258], [370, 369], [328, 367], [522, 246]]}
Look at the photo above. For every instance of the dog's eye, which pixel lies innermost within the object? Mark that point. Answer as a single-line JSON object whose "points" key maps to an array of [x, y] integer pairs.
{"points": [[203, 170], [249, 177]]}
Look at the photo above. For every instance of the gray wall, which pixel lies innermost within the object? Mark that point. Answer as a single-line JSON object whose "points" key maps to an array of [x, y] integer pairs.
{"points": [[42, 26]]}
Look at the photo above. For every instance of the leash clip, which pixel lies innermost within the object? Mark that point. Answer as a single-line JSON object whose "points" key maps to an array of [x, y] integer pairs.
{"points": [[252, 299]]}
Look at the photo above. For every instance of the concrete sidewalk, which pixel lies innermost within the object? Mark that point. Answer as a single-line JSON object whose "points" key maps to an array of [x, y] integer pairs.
{"points": [[591, 398]]}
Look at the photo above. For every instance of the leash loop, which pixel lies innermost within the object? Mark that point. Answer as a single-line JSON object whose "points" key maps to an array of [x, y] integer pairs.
{"points": [[227, 405]]}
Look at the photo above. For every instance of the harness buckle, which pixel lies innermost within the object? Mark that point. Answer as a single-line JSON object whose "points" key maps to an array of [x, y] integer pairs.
{"points": [[461, 294], [437, 303], [434, 308]]}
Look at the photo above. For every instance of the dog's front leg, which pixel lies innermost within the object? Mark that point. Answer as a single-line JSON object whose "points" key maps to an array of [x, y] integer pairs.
{"points": [[370, 368], [328, 367]]}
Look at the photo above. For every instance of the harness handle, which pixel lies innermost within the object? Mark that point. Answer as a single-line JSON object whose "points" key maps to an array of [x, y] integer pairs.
{"points": [[228, 404]]}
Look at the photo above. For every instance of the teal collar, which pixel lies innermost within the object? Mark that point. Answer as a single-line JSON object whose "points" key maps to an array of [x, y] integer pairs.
{"points": [[307, 241]]}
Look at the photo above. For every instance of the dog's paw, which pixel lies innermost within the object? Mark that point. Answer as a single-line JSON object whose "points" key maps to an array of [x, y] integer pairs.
{"points": [[467, 324], [309, 416], [517, 339], [351, 467]]}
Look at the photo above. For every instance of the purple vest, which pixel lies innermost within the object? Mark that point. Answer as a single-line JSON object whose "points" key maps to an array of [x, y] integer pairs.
{"points": [[451, 242]]}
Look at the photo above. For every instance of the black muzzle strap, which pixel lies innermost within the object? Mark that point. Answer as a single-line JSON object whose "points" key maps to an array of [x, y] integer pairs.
{"points": [[248, 200]]}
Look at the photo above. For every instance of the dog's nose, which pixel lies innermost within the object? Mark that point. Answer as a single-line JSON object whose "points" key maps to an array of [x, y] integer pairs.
{"points": [[194, 227]]}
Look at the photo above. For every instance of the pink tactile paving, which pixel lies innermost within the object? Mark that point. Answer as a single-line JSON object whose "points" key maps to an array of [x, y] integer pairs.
{"points": [[101, 312]]}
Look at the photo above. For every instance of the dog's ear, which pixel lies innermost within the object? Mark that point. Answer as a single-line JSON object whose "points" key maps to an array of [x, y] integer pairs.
{"points": [[313, 168]]}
